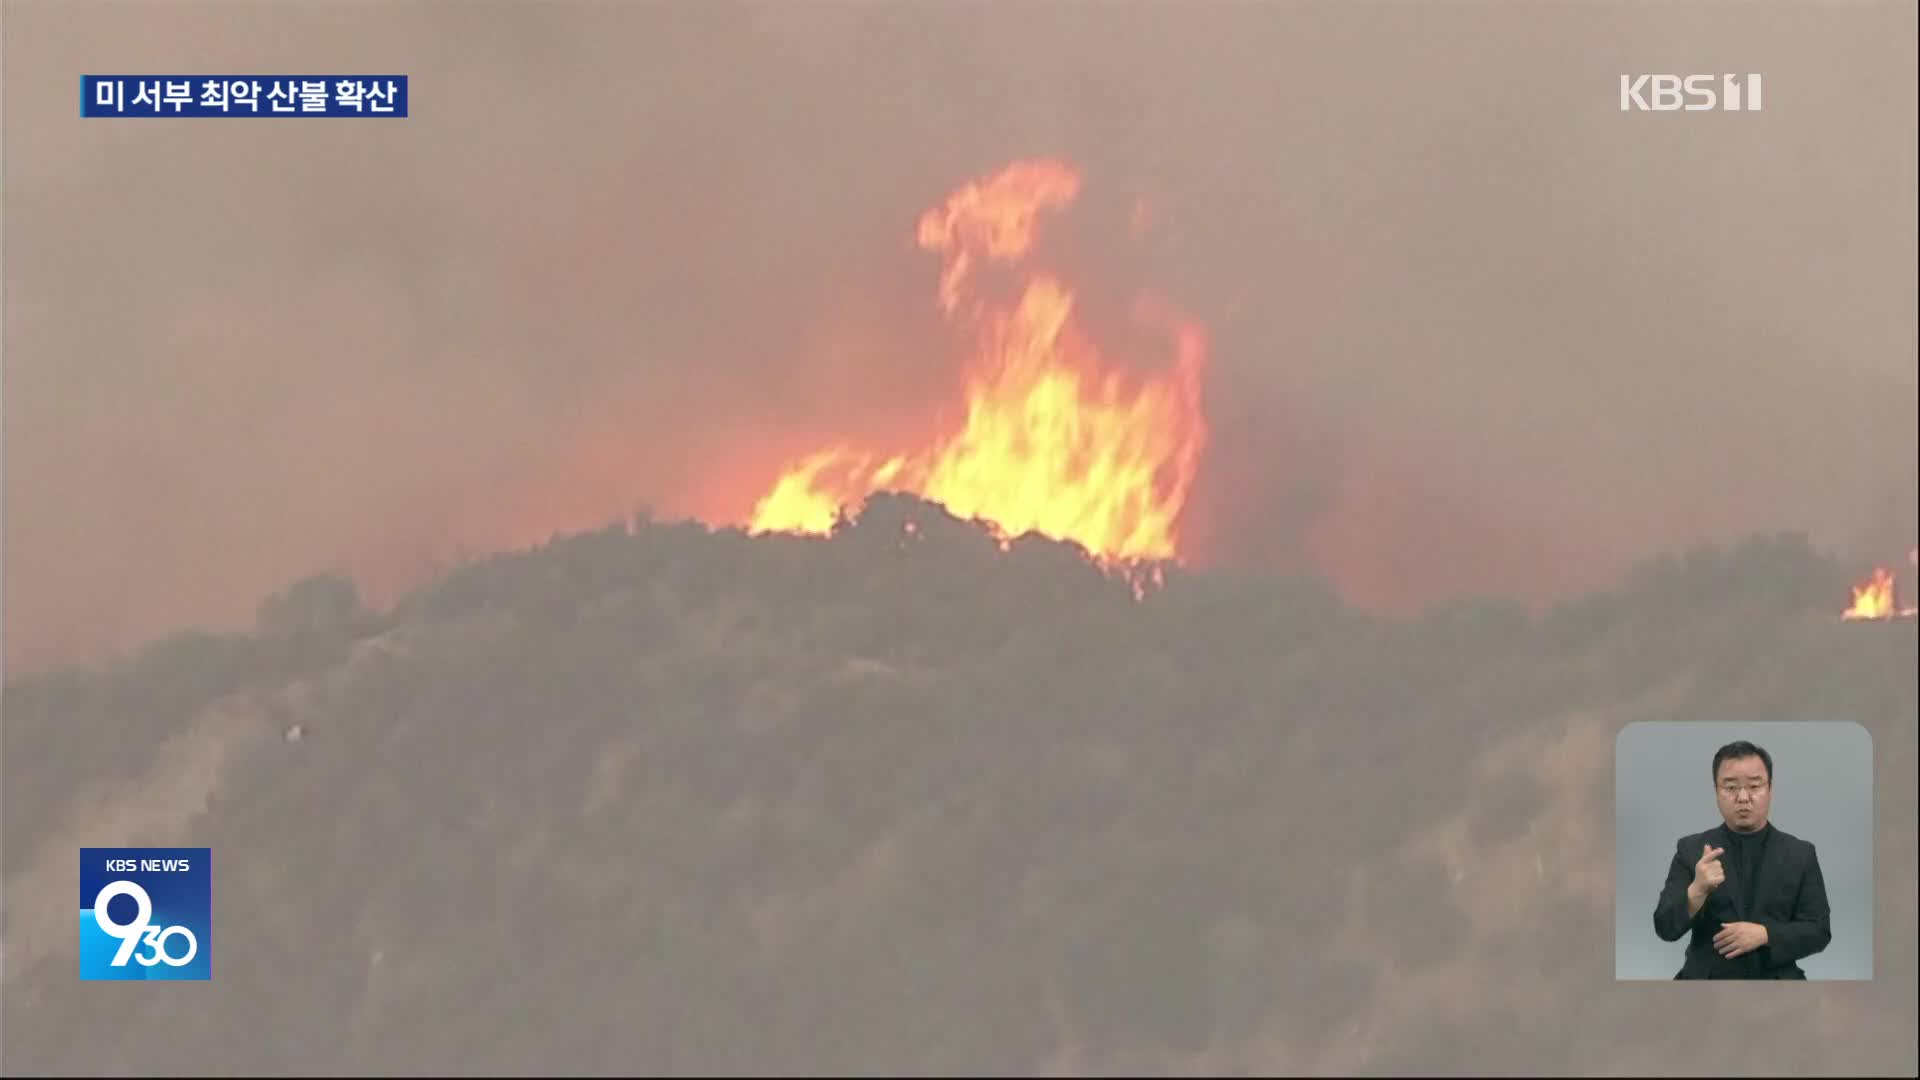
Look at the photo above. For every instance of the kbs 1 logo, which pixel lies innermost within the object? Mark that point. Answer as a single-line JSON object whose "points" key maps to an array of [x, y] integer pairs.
{"points": [[146, 913], [1691, 93]]}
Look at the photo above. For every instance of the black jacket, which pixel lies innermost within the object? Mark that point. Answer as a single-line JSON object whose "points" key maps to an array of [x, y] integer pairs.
{"points": [[1790, 900]]}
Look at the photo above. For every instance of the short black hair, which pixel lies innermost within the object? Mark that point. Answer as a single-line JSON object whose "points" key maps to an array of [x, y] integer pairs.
{"points": [[1741, 749]]}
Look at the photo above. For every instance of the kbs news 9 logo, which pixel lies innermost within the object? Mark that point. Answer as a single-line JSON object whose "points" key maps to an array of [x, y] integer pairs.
{"points": [[145, 913]]}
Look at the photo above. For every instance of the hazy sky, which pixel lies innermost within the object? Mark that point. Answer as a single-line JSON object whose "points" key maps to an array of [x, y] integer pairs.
{"points": [[1473, 327]]}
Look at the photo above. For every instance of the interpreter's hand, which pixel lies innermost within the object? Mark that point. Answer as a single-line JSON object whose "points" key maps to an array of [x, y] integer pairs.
{"points": [[1739, 939], [1708, 873]]}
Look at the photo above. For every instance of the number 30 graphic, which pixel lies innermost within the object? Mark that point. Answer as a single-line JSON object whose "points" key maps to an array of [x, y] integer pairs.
{"points": [[140, 931]]}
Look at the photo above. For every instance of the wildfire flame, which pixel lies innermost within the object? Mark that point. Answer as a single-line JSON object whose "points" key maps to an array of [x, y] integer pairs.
{"points": [[1054, 440], [1875, 598]]}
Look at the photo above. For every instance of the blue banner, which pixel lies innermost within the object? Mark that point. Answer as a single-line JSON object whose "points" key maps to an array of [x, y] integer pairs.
{"points": [[146, 914], [243, 95]]}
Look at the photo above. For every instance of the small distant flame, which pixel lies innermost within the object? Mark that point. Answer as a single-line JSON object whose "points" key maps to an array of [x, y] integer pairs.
{"points": [[1145, 579], [1876, 598], [1913, 559], [1872, 599]]}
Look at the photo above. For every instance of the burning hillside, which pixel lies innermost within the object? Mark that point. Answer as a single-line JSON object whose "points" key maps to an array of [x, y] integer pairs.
{"points": [[831, 796], [1056, 439]]}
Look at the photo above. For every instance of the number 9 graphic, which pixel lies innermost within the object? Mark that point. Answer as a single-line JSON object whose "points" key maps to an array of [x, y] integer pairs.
{"points": [[132, 934]]}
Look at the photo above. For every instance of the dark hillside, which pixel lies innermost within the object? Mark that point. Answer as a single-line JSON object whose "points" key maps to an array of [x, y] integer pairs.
{"points": [[664, 799]]}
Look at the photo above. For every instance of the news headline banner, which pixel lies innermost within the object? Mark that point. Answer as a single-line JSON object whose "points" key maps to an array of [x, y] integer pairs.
{"points": [[243, 95]]}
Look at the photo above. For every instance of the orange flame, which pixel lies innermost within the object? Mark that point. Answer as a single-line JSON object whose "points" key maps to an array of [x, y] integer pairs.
{"points": [[1054, 441], [1875, 597]]}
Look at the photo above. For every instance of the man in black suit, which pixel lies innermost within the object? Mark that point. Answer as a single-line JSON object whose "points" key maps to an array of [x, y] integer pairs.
{"points": [[1751, 894]]}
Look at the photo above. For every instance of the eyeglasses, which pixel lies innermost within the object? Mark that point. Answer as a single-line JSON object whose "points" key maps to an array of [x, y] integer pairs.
{"points": [[1751, 789]]}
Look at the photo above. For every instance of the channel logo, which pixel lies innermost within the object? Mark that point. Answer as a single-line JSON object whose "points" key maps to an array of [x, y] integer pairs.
{"points": [[1692, 93], [146, 913]]}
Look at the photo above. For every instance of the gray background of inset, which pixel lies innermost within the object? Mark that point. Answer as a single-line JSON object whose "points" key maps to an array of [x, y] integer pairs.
{"points": [[1823, 794]]}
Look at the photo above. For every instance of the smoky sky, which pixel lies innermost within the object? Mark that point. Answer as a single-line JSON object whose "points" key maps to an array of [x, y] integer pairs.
{"points": [[1473, 328]]}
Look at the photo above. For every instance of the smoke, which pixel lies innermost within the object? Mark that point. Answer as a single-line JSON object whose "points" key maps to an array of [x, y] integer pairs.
{"points": [[1472, 327]]}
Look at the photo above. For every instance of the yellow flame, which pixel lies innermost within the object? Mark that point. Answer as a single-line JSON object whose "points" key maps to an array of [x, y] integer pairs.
{"points": [[1054, 440], [1872, 599], [1877, 597]]}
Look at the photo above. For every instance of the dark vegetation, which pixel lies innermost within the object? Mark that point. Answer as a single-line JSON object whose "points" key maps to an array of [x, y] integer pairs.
{"points": [[665, 799]]}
